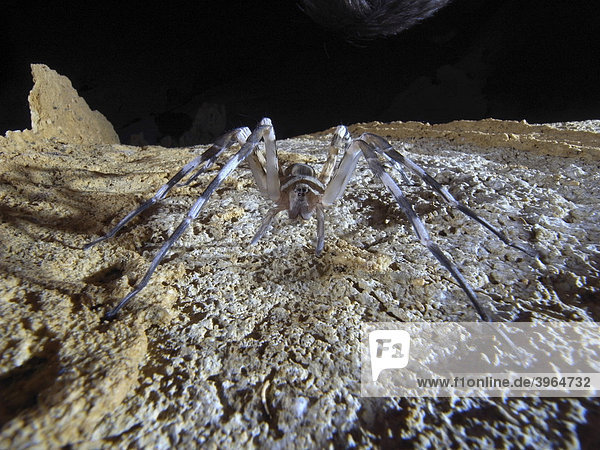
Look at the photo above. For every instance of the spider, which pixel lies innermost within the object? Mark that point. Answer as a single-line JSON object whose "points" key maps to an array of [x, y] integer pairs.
{"points": [[298, 190]]}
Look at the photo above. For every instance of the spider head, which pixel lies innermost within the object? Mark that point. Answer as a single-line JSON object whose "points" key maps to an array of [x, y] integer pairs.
{"points": [[300, 204], [301, 190]]}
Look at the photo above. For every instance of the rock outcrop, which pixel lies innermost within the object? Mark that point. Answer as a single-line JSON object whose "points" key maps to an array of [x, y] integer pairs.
{"points": [[59, 113]]}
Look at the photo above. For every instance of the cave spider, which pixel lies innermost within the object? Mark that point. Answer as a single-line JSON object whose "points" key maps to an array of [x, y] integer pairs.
{"points": [[298, 190]]}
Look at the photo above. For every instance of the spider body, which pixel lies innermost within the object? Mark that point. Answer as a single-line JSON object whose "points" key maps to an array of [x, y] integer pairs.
{"points": [[303, 193], [300, 196], [300, 191]]}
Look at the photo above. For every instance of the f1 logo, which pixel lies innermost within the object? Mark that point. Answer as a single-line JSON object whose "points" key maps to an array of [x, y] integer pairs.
{"points": [[389, 349]]}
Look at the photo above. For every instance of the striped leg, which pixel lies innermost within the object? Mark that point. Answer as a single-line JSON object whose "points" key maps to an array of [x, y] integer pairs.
{"points": [[340, 141], [251, 143], [380, 145], [418, 225], [206, 160]]}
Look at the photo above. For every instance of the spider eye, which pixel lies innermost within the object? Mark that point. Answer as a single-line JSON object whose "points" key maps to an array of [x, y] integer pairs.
{"points": [[301, 190]]}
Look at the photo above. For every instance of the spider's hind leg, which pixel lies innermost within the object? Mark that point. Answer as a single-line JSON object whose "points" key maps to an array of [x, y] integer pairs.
{"points": [[419, 227]]}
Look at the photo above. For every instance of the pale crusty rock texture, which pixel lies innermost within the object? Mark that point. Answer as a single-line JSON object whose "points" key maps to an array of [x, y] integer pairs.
{"points": [[59, 113], [232, 345]]}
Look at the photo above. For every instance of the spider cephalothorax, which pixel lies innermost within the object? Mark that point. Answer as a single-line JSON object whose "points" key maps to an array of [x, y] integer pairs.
{"points": [[302, 193]]}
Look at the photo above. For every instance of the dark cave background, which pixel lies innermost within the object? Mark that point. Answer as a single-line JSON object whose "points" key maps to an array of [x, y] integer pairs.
{"points": [[151, 68]]}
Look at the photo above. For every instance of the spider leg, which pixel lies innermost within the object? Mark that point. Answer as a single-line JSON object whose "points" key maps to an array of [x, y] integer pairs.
{"points": [[384, 147], [338, 181], [403, 175], [265, 168], [341, 177], [419, 227], [264, 226], [253, 140], [221, 144], [256, 162], [207, 158], [272, 164], [320, 229], [341, 139]]}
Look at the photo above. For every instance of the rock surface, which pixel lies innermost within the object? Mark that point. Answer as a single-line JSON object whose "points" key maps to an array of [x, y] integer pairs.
{"points": [[232, 345]]}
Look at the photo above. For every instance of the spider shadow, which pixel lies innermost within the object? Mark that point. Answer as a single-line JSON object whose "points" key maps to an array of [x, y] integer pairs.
{"points": [[80, 205], [40, 206], [383, 212]]}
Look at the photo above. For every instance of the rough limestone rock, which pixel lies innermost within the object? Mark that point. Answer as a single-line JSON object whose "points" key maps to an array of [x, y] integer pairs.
{"points": [[59, 113], [232, 345]]}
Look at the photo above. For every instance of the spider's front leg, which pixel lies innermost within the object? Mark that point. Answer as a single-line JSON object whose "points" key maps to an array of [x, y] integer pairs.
{"points": [[250, 142], [338, 184], [371, 145], [205, 161]]}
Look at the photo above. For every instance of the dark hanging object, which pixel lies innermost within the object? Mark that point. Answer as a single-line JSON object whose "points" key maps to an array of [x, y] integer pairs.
{"points": [[368, 19]]}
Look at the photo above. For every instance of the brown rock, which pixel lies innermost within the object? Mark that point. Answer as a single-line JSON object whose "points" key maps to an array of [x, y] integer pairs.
{"points": [[59, 113]]}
